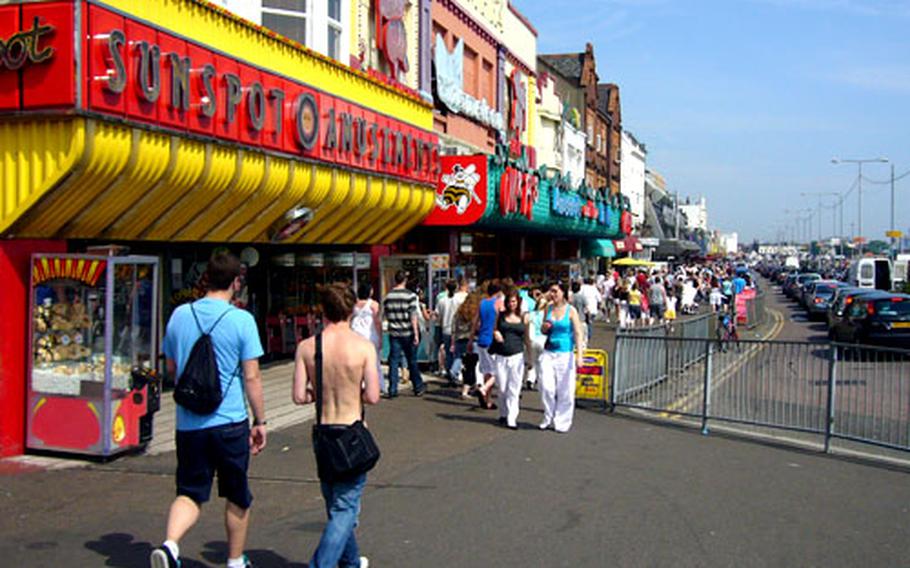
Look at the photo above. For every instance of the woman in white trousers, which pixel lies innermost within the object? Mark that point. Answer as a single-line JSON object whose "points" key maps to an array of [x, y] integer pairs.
{"points": [[511, 334], [562, 355]]}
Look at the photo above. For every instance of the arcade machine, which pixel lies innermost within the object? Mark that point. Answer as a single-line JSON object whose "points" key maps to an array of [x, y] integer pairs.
{"points": [[92, 387]]}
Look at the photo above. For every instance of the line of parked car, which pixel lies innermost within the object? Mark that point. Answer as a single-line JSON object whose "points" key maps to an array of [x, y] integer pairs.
{"points": [[854, 314]]}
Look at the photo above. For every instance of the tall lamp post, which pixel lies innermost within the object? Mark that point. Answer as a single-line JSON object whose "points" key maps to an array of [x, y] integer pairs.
{"points": [[859, 213], [820, 195]]}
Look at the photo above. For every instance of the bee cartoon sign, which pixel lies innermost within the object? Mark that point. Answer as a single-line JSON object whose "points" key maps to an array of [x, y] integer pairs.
{"points": [[461, 192]]}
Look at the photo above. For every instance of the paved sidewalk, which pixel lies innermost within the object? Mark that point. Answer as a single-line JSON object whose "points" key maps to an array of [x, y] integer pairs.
{"points": [[453, 489]]}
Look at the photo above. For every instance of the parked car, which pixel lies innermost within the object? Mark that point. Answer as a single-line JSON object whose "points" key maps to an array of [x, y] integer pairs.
{"points": [[819, 295], [876, 273], [876, 319]]}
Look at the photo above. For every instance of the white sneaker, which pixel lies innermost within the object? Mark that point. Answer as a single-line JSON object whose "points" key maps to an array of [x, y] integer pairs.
{"points": [[364, 562], [545, 425]]}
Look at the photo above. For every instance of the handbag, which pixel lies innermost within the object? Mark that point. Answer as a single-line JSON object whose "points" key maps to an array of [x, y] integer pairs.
{"points": [[343, 452]]}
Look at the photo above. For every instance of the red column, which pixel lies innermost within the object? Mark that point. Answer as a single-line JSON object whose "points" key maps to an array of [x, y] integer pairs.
{"points": [[15, 257]]}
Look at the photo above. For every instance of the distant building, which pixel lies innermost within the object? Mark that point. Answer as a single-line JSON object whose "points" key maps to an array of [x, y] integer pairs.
{"points": [[696, 214], [633, 160], [729, 243]]}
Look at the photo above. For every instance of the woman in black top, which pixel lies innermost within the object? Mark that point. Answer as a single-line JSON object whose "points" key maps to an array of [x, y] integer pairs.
{"points": [[511, 337]]}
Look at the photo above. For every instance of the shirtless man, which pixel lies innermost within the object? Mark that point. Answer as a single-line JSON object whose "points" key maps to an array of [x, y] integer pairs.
{"points": [[349, 380]]}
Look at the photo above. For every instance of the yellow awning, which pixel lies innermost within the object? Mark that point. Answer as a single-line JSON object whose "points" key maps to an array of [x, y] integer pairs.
{"points": [[84, 178]]}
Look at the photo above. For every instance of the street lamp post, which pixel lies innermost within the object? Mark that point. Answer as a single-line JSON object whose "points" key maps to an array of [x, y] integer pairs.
{"points": [[859, 213], [820, 195]]}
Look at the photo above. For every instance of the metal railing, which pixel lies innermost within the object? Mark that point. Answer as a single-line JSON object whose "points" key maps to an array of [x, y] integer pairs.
{"points": [[830, 391], [655, 367]]}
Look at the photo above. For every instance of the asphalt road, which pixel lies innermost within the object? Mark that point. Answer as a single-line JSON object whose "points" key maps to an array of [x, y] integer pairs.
{"points": [[453, 489]]}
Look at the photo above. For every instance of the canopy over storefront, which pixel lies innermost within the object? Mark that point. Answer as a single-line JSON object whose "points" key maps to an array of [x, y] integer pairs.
{"points": [[598, 248], [175, 121]]}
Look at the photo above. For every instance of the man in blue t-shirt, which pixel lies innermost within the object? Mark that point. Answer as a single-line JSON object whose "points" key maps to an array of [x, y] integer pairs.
{"points": [[220, 442]]}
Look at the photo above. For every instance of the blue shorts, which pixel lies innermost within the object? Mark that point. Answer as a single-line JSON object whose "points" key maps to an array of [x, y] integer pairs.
{"points": [[224, 450]]}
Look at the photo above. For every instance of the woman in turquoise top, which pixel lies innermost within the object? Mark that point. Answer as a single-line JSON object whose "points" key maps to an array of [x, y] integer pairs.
{"points": [[562, 355]]}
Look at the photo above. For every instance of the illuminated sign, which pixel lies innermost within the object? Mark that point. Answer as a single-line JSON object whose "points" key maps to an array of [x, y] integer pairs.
{"points": [[184, 87], [25, 46], [450, 87]]}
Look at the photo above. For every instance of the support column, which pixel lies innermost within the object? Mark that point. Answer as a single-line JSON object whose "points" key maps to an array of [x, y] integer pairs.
{"points": [[15, 264]]}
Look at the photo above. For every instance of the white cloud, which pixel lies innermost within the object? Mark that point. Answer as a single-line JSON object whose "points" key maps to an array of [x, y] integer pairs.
{"points": [[893, 79]]}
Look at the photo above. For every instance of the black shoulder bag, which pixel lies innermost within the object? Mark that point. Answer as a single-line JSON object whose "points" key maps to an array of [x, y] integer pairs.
{"points": [[342, 452]]}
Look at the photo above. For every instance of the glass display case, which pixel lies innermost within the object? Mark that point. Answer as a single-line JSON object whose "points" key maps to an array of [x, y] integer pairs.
{"points": [[92, 387]]}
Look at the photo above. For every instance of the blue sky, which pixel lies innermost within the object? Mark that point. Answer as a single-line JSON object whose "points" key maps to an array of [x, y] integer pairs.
{"points": [[747, 101]]}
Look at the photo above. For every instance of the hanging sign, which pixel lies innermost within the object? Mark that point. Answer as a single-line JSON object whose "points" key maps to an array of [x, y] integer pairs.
{"points": [[461, 193], [391, 37]]}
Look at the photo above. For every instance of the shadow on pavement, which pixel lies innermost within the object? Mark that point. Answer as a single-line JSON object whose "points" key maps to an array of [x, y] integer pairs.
{"points": [[122, 550]]}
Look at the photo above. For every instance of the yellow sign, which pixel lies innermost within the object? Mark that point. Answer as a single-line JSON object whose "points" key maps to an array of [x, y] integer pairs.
{"points": [[894, 234], [591, 378]]}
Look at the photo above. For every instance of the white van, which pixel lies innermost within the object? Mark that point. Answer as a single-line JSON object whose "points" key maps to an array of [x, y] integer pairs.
{"points": [[875, 273], [901, 270]]}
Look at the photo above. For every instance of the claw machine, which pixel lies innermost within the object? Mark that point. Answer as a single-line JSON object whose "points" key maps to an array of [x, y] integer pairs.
{"points": [[92, 387]]}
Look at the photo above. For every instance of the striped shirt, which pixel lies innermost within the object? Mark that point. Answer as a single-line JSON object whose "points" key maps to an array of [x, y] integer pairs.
{"points": [[398, 307]]}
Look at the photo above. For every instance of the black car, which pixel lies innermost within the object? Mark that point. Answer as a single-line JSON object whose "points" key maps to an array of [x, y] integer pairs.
{"points": [[842, 300], [880, 319], [819, 295]]}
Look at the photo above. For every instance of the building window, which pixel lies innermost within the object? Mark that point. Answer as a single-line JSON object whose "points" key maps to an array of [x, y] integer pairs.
{"points": [[286, 17], [334, 29]]}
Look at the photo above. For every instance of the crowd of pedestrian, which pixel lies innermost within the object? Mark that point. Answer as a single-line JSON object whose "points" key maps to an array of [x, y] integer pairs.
{"points": [[496, 338]]}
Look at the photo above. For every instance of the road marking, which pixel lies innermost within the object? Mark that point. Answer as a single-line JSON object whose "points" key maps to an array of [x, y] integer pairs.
{"points": [[683, 403]]}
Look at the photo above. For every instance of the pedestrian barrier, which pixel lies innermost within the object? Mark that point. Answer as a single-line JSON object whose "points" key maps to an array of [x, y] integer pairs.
{"points": [[661, 358], [829, 391]]}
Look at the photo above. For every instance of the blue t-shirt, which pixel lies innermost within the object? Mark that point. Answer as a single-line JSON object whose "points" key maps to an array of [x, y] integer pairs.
{"points": [[487, 322], [235, 339], [739, 284]]}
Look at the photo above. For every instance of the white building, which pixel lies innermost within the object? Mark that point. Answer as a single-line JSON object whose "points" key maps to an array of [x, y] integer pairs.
{"points": [[730, 243], [324, 26], [632, 172], [560, 144], [696, 214]]}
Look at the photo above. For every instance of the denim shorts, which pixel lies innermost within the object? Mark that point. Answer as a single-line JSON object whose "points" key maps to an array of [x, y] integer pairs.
{"points": [[224, 450]]}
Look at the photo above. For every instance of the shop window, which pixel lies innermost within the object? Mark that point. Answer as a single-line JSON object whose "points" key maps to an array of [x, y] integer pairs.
{"points": [[286, 17]]}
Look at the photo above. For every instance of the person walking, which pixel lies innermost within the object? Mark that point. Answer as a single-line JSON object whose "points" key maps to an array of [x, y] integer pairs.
{"points": [[512, 336], [635, 309], [445, 316], [400, 308], [367, 323], [657, 300], [562, 355], [464, 364], [484, 326], [220, 442], [536, 339], [349, 380]]}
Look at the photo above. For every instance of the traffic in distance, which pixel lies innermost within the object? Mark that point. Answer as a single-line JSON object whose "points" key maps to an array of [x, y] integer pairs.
{"points": [[864, 301]]}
